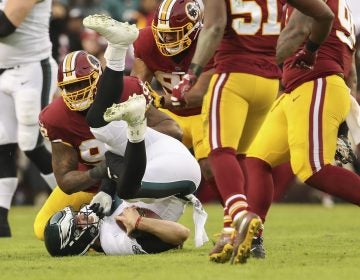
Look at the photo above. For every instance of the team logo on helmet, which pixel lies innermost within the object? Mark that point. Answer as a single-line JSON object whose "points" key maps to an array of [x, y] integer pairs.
{"points": [[192, 11]]}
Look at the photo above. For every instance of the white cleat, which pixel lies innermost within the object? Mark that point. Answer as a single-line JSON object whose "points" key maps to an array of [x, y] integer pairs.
{"points": [[117, 33], [132, 111]]}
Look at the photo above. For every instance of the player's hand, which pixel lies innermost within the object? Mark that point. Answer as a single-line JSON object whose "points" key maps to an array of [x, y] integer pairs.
{"points": [[179, 91], [101, 204], [128, 218], [304, 59], [152, 96]]}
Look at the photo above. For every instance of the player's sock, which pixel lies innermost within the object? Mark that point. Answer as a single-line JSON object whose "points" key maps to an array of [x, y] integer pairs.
{"points": [[260, 186], [229, 178], [109, 92], [337, 181]]}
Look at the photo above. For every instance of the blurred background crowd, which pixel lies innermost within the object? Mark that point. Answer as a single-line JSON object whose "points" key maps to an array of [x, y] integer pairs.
{"points": [[68, 34]]}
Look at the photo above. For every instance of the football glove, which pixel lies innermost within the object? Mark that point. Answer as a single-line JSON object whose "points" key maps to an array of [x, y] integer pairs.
{"points": [[304, 59], [344, 153], [101, 204], [179, 91], [157, 100]]}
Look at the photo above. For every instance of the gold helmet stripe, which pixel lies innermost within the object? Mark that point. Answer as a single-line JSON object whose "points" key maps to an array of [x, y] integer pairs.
{"points": [[69, 64], [165, 11]]}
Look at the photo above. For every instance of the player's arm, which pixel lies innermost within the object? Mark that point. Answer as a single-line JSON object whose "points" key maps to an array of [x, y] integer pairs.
{"points": [[14, 13], [321, 23], [141, 71], [210, 35], [161, 122], [65, 165], [168, 231], [293, 35], [193, 97]]}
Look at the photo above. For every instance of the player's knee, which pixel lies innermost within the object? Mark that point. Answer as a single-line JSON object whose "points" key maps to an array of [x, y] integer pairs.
{"points": [[8, 160], [28, 136]]}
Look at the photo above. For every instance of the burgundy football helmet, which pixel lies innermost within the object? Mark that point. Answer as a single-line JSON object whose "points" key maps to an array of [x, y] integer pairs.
{"points": [[176, 25], [78, 76]]}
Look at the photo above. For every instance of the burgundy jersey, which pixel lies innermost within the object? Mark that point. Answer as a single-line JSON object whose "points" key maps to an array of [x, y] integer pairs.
{"points": [[168, 71], [59, 124], [249, 42], [334, 55]]}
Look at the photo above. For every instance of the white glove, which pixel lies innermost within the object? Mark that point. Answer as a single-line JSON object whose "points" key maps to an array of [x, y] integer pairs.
{"points": [[101, 204]]}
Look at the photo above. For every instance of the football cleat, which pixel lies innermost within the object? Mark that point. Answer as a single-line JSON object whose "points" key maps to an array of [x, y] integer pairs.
{"points": [[132, 110], [257, 248], [247, 226], [120, 34], [223, 248], [5, 230]]}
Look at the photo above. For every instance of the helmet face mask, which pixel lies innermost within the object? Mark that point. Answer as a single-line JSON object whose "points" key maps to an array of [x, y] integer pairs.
{"points": [[78, 76], [70, 233], [176, 25]]}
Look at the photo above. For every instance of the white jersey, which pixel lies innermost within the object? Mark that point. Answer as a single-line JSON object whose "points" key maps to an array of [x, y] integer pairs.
{"points": [[30, 42], [115, 241], [168, 160]]}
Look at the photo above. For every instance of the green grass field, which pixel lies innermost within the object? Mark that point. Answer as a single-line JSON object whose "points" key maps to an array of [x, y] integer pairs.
{"points": [[302, 242]]}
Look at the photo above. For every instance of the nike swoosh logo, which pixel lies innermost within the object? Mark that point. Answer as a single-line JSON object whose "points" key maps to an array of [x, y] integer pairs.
{"points": [[296, 98]]}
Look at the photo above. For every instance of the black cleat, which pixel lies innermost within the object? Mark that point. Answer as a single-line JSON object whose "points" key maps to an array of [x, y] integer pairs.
{"points": [[257, 248]]}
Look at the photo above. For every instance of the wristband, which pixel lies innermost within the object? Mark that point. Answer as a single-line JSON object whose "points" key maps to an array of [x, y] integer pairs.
{"points": [[138, 220], [311, 46], [195, 69]]}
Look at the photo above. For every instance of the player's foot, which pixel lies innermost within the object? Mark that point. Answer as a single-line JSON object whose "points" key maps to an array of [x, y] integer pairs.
{"points": [[257, 248], [117, 33], [247, 226], [223, 248], [132, 111]]}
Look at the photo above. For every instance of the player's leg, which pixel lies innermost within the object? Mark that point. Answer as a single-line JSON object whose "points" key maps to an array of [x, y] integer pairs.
{"points": [[119, 36], [171, 170], [34, 92], [329, 106], [57, 201], [218, 102], [8, 148]]}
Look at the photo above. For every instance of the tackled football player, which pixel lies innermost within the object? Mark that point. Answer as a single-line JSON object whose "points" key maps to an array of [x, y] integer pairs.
{"points": [[233, 114]]}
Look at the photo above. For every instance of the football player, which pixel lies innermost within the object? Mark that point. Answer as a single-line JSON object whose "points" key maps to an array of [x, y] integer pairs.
{"points": [[73, 142], [240, 94], [132, 228], [27, 84], [164, 51], [303, 123], [137, 152]]}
